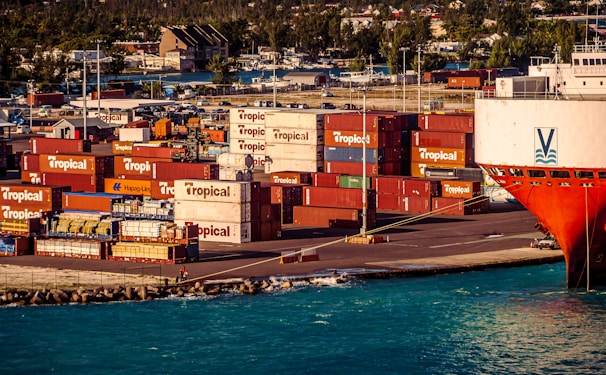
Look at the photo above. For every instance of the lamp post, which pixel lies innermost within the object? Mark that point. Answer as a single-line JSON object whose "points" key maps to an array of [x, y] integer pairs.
{"points": [[98, 81], [161, 91], [394, 96], [419, 77], [85, 115], [30, 86], [404, 49], [462, 95], [429, 92], [364, 193]]}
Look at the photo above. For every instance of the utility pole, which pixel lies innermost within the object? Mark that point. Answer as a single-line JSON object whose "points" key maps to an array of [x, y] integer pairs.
{"points": [[404, 49], [419, 76]]}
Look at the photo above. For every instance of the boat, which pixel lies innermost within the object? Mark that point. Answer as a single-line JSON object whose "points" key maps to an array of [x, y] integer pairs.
{"points": [[365, 76], [542, 138]]}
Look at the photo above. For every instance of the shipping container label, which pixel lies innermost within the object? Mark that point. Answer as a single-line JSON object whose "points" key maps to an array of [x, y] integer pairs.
{"points": [[31, 177], [21, 195], [290, 135], [348, 138], [212, 190], [248, 146], [247, 131], [119, 147], [438, 155], [19, 213], [294, 180], [130, 165], [248, 116], [222, 232], [125, 186]]}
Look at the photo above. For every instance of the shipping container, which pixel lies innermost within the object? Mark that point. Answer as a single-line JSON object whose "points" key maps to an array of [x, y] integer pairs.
{"points": [[287, 195], [163, 128], [110, 94], [290, 177], [391, 202], [212, 211], [212, 231], [134, 135], [422, 170], [247, 131], [30, 163], [132, 166], [294, 136], [347, 138], [321, 179], [122, 148], [162, 189], [213, 191], [138, 124], [372, 169], [442, 139], [143, 252], [168, 153], [350, 154], [15, 246], [70, 248], [127, 186], [294, 151], [247, 146], [325, 217], [376, 121], [24, 228], [77, 182], [422, 187], [232, 174], [461, 189], [46, 197], [58, 145], [464, 83], [337, 197], [76, 164], [218, 135], [177, 171], [55, 99], [415, 204], [157, 231], [248, 115], [281, 165], [20, 212], [463, 123], [457, 157], [236, 161], [302, 120], [354, 182], [389, 185], [82, 201]]}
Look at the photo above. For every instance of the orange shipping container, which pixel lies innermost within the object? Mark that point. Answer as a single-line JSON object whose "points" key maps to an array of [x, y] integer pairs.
{"points": [[75, 164], [149, 151], [134, 166], [122, 147], [418, 169], [464, 82], [81, 201], [162, 189], [127, 186], [163, 128], [442, 155], [47, 197], [461, 189], [216, 135], [346, 138]]}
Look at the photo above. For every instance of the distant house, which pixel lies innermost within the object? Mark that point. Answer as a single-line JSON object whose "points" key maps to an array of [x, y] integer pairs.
{"points": [[197, 43], [74, 128], [306, 79]]}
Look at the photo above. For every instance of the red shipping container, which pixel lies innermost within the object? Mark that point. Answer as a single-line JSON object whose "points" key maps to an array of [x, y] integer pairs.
{"points": [[441, 139], [415, 205], [79, 201], [288, 195], [177, 171], [389, 185], [461, 189], [162, 189], [20, 212], [448, 206], [458, 157], [46, 197], [326, 179], [347, 138], [391, 168], [158, 152], [287, 214], [76, 164], [30, 163], [447, 123], [31, 177], [325, 217], [216, 135], [344, 167], [265, 193], [77, 182], [376, 121], [138, 124], [389, 202], [131, 166], [287, 177], [337, 197], [58, 145], [421, 187]]}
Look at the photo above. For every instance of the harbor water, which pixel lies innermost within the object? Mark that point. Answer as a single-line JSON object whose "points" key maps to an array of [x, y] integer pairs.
{"points": [[500, 321]]}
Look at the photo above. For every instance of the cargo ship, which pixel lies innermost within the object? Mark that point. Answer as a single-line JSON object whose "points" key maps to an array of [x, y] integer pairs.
{"points": [[542, 138]]}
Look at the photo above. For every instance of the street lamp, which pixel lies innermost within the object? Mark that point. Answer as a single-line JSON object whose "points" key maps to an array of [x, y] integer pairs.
{"points": [[364, 193], [462, 95], [30, 86], [419, 77], [394, 96], [98, 81], [429, 92], [404, 49], [84, 92], [161, 91]]}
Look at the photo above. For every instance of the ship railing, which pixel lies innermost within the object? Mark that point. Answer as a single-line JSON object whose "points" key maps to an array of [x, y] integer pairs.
{"points": [[590, 48], [492, 94]]}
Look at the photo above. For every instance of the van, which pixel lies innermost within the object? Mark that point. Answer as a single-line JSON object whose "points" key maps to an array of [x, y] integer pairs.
{"points": [[202, 102], [23, 129], [45, 111], [433, 105]]}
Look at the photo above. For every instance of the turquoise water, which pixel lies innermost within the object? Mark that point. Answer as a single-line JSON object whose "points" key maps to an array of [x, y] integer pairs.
{"points": [[505, 321]]}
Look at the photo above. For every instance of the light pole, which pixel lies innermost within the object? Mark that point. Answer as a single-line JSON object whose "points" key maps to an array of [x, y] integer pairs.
{"points": [[404, 49], [161, 91], [419, 77], [30, 86], [98, 81], [85, 115], [429, 92], [462, 95], [364, 193], [394, 96]]}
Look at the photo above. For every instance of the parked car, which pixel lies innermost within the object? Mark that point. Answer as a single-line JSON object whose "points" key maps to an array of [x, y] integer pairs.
{"points": [[291, 105], [328, 106], [45, 111], [302, 106], [202, 102], [548, 242], [224, 103], [349, 106], [327, 94]]}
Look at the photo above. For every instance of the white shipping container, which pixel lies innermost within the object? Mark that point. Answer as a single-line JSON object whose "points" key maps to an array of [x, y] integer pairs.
{"points": [[294, 136], [248, 115], [238, 161], [247, 131], [294, 119], [212, 191], [283, 165], [142, 135], [213, 231], [295, 152], [247, 146], [212, 211], [232, 174]]}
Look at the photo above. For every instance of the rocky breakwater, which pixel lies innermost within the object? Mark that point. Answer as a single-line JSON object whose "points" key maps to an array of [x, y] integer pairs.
{"points": [[18, 297]]}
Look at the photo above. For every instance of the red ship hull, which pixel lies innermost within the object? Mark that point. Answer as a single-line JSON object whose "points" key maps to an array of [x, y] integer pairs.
{"points": [[573, 209]]}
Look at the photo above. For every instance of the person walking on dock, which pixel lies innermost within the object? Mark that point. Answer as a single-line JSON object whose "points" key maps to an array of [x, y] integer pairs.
{"points": [[184, 273]]}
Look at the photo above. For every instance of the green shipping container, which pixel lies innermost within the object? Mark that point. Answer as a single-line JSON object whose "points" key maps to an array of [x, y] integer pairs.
{"points": [[354, 182]]}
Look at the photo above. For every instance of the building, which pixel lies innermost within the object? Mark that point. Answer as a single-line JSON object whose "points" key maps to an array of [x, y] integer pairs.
{"points": [[194, 44], [74, 128], [306, 79]]}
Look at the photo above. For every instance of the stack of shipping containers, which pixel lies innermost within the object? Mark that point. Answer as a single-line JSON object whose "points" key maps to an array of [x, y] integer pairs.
{"points": [[247, 133], [287, 191]]}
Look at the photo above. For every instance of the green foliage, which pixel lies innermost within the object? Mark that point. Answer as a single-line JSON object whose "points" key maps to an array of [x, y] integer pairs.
{"points": [[223, 73]]}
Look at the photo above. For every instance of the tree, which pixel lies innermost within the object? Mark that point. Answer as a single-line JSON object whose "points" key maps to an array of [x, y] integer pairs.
{"points": [[223, 73]]}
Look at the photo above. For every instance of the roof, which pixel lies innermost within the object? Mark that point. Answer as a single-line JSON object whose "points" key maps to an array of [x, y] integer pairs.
{"points": [[303, 74], [123, 104], [197, 35], [79, 123]]}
